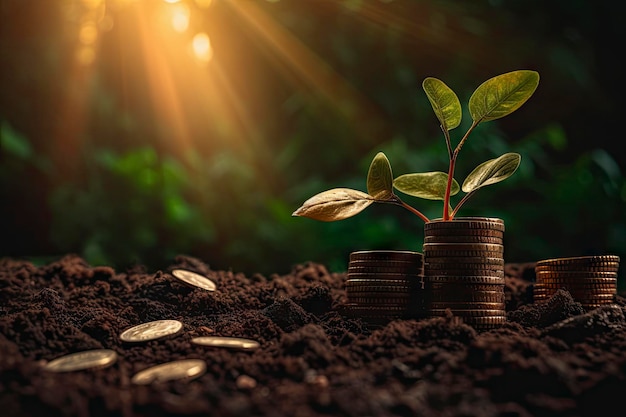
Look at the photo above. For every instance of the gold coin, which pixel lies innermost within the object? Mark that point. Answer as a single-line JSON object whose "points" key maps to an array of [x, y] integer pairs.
{"points": [[574, 275], [386, 255], [471, 247], [604, 267], [379, 281], [593, 260], [430, 261], [451, 234], [378, 301], [466, 305], [380, 290], [494, 271], [369, 311], [453, 295], [385, 269], [591, 287], [226, 342], [462, 224], [455, 238], [483, 323], [194, 279], [181, 369], [455, 287], [96, 358], [462, 279], [480, 312], [151, 330], [384, 276], [430, 254]]}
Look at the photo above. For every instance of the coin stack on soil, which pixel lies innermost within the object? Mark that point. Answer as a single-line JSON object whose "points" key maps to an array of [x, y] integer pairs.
{"points": [[384, 285], [591, 280], [464, 270]]}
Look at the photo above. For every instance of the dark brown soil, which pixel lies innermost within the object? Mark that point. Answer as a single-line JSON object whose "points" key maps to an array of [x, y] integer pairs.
{"points": [[553, 359]]}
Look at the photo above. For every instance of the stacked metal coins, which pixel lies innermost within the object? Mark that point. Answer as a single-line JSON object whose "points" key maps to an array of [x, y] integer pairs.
{"points": [[464, 270], [384, 285], [591, 280]]}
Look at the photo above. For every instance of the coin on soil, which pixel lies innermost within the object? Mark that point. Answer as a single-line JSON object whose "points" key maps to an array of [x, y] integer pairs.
{"points": [[194, 279], [181, 369], [151, 330], [226, 342], [88, 359]]}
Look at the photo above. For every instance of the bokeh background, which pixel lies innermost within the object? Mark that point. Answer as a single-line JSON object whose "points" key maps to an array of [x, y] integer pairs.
{"points": [[136, 130]]}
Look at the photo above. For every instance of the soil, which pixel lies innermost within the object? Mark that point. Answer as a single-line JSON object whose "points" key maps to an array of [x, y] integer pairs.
{"points": [[550, 359]]}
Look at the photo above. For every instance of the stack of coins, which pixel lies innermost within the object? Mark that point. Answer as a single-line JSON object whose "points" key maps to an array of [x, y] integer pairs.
{"points": [[384, 285], [464, 270], [591, 280]]}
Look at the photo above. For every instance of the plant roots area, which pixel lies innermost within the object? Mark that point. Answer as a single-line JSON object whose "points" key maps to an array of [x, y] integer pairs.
{"points": [[549, 359]]}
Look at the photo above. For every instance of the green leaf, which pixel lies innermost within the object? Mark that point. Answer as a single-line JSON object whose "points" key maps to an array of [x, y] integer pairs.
{"points": [[492, 171], [335, 204], [444, 101], [380, 178], [428, 185], [502, 95]]}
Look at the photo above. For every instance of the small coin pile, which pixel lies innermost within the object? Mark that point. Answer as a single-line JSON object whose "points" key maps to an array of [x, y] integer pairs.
{"points": [[591, 280], [464, 270], [383, 285]]}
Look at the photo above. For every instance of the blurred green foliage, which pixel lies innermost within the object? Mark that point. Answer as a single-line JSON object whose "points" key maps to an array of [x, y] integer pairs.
{"points": [[132, 195]]}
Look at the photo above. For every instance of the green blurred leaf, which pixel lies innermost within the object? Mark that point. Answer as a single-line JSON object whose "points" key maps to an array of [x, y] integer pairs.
{"points": [[335, 204], [428, 185], [380, 178], [13, 142], [444, 101], [492, 171], [502, 95]]}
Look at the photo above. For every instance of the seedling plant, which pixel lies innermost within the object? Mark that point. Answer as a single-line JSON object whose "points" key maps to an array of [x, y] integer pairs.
{"points": [[495, 98]]}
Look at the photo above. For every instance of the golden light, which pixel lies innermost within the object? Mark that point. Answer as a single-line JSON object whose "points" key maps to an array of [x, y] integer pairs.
{"points": [[88, 33], [180, 18], [201, 46], [203, 4], [187, 99]]}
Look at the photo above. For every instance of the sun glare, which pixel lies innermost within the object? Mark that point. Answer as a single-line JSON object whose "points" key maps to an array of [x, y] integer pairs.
{"points": [[180, 17], [201, 46], [178, 57]]}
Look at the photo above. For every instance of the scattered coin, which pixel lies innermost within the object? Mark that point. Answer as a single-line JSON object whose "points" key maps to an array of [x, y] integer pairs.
{"points": [[227, 342], [151, 330], [181, 369], [194, 279], [88, 359]]}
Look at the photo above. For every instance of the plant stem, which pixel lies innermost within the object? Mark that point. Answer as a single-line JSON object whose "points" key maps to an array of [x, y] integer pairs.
{"points": [[446, 199], [398, 202], [453, 156], [446, 135]]}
